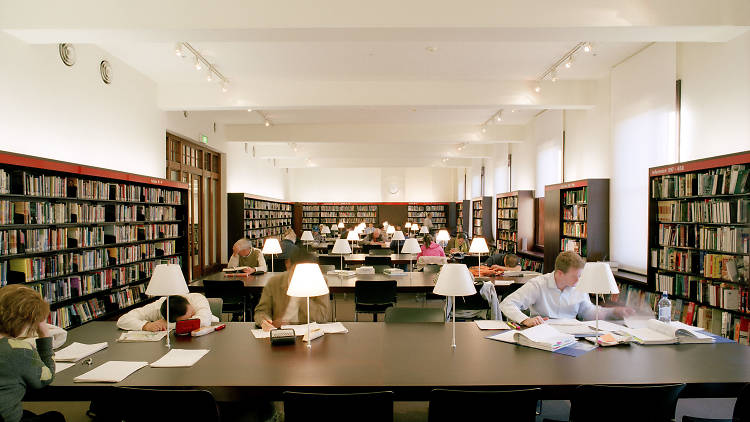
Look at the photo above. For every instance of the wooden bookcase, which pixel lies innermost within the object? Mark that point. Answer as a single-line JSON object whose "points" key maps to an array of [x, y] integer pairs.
{"points": [[256, 217], [576, 217], [481, 218], [87, 238], [515, 220], [417, 211], [460, 227]]}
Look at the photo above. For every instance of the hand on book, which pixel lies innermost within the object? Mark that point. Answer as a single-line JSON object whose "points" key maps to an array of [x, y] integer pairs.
{"points": [[531, 322], [248, 270], [159, 325]]}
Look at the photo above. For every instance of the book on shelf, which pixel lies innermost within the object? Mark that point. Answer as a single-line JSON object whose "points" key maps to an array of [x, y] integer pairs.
{"points": [[575, 196]]}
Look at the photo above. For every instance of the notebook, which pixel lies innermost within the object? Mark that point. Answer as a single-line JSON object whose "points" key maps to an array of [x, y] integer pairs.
{"points": [[657, 332], [491, 324], [61, 366], [112, 371], [138, 336], [78, 351], [544, 337], [180, 358]]}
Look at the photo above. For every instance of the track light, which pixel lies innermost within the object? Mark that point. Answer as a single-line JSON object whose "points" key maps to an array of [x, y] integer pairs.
{"points": [[587, 48], [209, 76], [224, 87], [537, 89], [178, 50], [461, 147], [267, 123], [198, 65], [553, 76], [484, 129], [249, 110], [499, 116], [569, 62], [565, 60]]}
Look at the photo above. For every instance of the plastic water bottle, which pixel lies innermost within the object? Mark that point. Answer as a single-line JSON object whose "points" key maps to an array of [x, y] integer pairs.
{"points": [[665, 308]]}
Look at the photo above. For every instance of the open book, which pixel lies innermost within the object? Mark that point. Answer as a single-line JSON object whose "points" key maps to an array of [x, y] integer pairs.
{"points": [[139, 336], [657, 332], [544, 337], [234, 269], [78, 351]]}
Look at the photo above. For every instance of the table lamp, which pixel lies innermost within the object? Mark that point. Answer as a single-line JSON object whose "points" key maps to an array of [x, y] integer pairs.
{"points": [[271, 247], [325, 231], [352, 236], [342, 248], [307, 237], [597, 278], [454, 280], [167, 280], [443, 237], [407, 226], [385, 224], [390, 230], [307, 281], [424, 230], [479, 246], [341, 225], [411, 246], [414, 227]]}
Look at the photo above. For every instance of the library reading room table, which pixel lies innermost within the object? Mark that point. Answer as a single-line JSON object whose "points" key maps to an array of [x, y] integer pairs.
{"points": [[408, 359]]}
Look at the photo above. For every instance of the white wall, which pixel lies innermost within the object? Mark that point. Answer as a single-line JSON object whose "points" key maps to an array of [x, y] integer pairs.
{"points": [[548, 132], [51, 110], [256, 176], [523, 167], [587, 137], [715, 115]]}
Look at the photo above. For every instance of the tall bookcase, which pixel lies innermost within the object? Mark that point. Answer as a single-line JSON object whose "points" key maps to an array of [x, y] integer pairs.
{"points": [[256, 217], [460, 217], [87, 239], [329, 213], [576, 217], [515, 220], [417, 211], [481, 218]]}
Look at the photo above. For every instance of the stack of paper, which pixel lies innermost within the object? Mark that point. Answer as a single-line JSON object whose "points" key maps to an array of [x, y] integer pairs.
{"points": [[78, 351], [657, 332], [301, 329], [544, 337], [138, 336], [112, 371], [180, 358], [491, 324]]}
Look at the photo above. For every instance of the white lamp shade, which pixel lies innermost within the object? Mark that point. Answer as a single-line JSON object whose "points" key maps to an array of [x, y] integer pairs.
{"points": [[407, 225], [334, 228], [307, 281], [359, 230], [341, 225], [352, 235], [167, 280], [390, 230], [325, 230], [443, 236], [411, 246], [597, 278], [454, 280], [385, 224], [424, 229], [478, 245], [398, 235], [341, 247], [271, 246], [414, 227], [306, 235]]}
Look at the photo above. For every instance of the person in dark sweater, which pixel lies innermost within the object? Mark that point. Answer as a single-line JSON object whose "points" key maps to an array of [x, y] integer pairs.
{"points": [[24, 311], [506, 261]]}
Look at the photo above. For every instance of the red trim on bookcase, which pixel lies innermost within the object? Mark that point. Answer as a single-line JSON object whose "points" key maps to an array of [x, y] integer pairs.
{"points": [[265, 198], [65, 167], [374, 203], [708, 163], [507, 194], [567, 185]]}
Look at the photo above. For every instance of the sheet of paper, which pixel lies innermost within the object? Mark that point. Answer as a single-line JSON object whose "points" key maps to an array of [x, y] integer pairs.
{"points": [[301, 329], [61, 366], [682, 326], [259, 333], [333, 328], [506, 336], [575, 329], [544, 333], [112, 371], [78, 351], [604, 325], [483, 324], [180, 358], [564, 321], [138, 336], [503, 282]]}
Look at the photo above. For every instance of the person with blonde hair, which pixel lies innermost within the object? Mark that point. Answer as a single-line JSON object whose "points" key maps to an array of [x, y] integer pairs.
{"points": [[553, 295], [23, 311]]}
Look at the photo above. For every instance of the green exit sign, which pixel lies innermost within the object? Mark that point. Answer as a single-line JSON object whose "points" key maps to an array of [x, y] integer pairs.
{"points": [[204, 139]]}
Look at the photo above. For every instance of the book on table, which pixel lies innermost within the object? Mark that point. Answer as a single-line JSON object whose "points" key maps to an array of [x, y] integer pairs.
{"points": [[543, 336], [657, 332], [234, 269]]}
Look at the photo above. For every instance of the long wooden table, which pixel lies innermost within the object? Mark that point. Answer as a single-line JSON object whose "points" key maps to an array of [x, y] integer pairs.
{"points": [[408, 359]]}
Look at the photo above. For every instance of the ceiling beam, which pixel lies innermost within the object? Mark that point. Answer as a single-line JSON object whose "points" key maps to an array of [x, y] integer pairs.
{"points": [[373, 151], [397, 162]]}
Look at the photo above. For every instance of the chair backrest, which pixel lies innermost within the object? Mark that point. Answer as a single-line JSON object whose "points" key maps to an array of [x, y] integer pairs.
{"points": [[216, 304], [325, 268], [378, 260], [742, 406], [224, 288], [197, 405], [655, 403], [397, 315], [334, 260], [375, 292], [362, 407], [380, 251], [472, 302], [459, 405]]}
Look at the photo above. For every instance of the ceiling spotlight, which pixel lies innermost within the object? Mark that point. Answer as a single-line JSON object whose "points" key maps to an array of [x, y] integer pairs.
{"points": [[249, 110], [553, 76], [499, 116], [431, 48], [461, 147], [198, 64], [178, 49], [569, 62], [587, 48], [537, 89], [484, 129], [513, 110], [445, 159], [267, 123], [224, 87], [209, 76]]}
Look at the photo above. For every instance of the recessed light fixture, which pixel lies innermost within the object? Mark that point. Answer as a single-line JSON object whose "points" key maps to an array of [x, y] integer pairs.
{"points": [[267, 123], [537, 89], [249, 110]]}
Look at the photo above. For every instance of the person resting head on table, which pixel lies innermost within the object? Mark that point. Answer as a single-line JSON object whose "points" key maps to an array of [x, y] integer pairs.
{"points": [[23, 310], [553, 295], [503, 262], [152, 316], [245, 255], [275, 308], [376, 237]]}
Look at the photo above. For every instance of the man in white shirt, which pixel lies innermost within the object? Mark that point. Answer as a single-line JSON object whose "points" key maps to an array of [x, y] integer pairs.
{"points": [[151, 317], [245, 255], [553, 295]]}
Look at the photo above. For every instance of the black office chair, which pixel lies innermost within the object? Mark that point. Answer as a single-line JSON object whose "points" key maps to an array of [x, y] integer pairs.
{"points": [[406, 315], [373, 297], [378, 260], [741, 411], [195, 405], [517, 405], [361, 407], [334, 260], [380, 251], [655, 403], [472, 303], [279, 264], [233, 294]]}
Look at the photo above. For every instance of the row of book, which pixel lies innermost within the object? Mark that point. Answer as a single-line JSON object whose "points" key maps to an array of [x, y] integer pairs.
{"points": [[575, 212], [723, 295], [576, 245], [507, 225], [260, 204], [128, 213], [575, 196], [426, 208], [721, 181], [34, 212], [340, 208], [531, 265], [258, 214], [77, 313], [43, 240], [262, 224], [574, 229], [139, 232], [507, 213], [347, 220], [436, 218], [508, 235], [727, 267], [264, 233], [4, 182], [724, 238], [128, 297], [507, 246], [508, 202], [705, 211]]}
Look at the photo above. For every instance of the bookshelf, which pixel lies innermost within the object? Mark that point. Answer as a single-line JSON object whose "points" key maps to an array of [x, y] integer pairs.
{"points": [[515, 220], [699, 240], [576, 217], [329, 213], [417, 211], [460, 217], [256, 217], [86, 238], [481, 217]]}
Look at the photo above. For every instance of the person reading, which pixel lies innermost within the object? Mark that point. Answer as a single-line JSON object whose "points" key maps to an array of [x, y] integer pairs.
{"points": [[152, 316], [275, 308], [553, 295], [457, 245], [376, 237], [245, 255], [23, 310]]}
